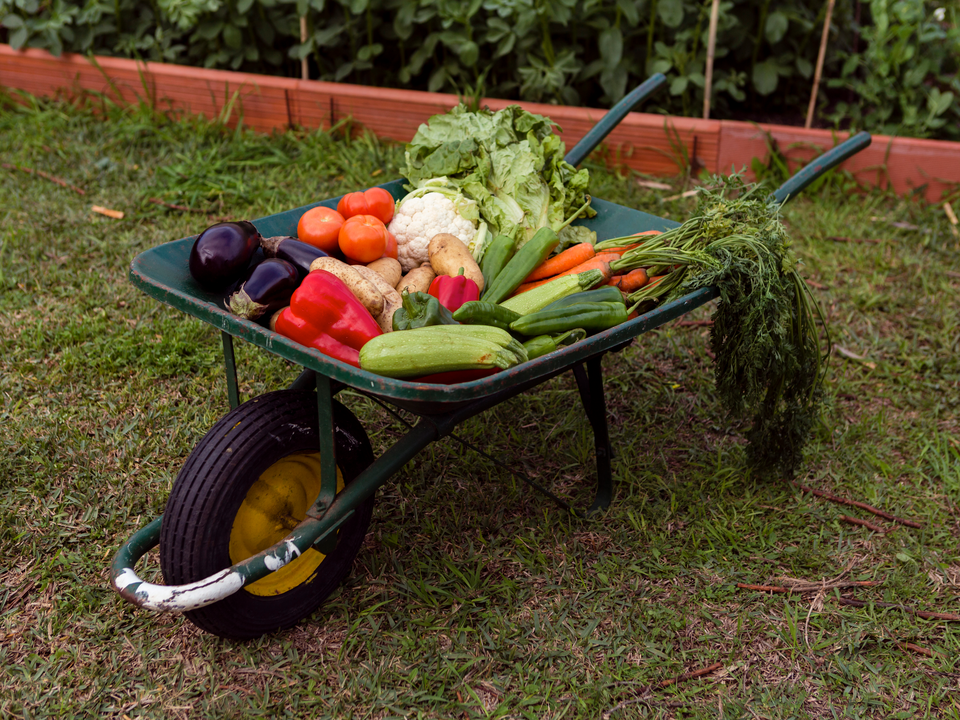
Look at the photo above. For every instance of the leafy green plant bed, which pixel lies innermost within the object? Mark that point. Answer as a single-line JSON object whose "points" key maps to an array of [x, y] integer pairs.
{"points": [[472, 597], [890, 67]]}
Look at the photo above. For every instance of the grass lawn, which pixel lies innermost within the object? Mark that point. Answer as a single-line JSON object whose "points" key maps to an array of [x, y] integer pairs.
{"points": [[472, 597]]}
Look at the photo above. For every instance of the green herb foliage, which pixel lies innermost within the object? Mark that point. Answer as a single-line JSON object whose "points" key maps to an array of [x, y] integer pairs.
{"points": [[764, 336], [767, 348]]}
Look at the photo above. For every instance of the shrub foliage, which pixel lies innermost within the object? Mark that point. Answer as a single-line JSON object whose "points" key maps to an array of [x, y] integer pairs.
{"points": [[891, 65]]}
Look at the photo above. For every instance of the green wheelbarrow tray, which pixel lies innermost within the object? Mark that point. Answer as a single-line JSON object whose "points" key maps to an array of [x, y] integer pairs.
{"points": [[162, 272]]}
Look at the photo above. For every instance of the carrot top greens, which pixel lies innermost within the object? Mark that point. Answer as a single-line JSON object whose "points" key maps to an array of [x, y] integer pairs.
{"points": [[769, 364]]}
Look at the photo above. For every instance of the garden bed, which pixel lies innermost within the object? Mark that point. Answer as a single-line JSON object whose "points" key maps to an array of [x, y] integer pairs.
{"points": [[649, 144]]}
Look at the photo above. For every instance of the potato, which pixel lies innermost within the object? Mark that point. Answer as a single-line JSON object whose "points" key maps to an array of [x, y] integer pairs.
{"points": [[362, 289], [391, 298], [389, 270], [417, 280], [448, 254]]}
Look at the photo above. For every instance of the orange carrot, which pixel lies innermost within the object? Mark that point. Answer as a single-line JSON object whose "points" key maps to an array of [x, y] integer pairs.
{"points": [[571, 257], [633, 280], [597, 262], [614, 244], [621, 250]]}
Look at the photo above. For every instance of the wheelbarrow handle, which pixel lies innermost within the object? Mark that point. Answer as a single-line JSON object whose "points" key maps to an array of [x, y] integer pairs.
{"points": [[830, 159], [612, 118]]}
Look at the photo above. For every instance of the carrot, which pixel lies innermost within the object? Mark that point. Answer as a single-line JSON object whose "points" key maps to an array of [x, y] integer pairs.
{"points": [[615, 243], [633, 280], [571, 257], [597, 262], [621, 250]]}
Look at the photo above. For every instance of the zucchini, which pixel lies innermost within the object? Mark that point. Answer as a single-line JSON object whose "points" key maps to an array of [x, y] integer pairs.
{"points": [[537, 299], [441, 348], [454, 334]]}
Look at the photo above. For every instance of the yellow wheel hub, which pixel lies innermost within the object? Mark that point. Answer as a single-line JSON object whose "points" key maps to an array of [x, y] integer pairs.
{"points": [[276, 503]]}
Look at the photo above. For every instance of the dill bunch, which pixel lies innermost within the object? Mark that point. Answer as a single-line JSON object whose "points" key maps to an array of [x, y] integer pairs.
{"points": [[769, 366]]}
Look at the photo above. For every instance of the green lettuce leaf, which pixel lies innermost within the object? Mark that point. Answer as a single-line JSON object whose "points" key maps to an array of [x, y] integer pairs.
{"points": [[509, 162]]}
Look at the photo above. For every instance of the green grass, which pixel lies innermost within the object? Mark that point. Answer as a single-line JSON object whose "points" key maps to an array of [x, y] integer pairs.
{"points": [[473, 597]]}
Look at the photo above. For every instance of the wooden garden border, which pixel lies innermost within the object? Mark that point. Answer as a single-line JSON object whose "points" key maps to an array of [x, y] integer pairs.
{"points": [[650, 144]]}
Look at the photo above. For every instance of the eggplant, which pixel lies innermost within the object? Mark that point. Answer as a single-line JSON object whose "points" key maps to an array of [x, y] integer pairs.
{"points": [[267, 288], [296, 252], [222, 253], [257, 258]]}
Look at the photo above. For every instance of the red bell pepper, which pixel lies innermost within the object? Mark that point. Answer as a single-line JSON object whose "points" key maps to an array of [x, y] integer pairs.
{"points": [[325, 315], [452, 292]]}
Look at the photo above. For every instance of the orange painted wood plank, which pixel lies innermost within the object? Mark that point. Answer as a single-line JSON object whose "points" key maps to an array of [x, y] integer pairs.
{"points": [[650, 144], [906, 164]]}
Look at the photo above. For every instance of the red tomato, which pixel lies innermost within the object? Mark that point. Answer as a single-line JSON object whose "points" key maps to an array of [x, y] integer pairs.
{"points": [[380, 204], [375, 201], [320, 227], [390, 250], [352, 204], [363, 238]]}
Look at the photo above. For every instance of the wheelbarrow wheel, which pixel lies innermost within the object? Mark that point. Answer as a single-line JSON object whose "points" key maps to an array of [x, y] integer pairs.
{"points": [[248, 482]]}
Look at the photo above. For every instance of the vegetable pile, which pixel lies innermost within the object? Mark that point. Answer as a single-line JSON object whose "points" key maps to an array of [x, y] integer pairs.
{"points": [[468, 275]]}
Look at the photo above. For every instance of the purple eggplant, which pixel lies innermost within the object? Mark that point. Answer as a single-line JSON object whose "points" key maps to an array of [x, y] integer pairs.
{"points": [[268, 287], [222, 253], [296, 252]]}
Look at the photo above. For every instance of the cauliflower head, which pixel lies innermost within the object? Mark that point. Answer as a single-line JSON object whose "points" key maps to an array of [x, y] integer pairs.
{"points": [[419, 218]]}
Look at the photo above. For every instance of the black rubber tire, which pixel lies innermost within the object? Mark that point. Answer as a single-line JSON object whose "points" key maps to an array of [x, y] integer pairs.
{"points": [[213, 483]]}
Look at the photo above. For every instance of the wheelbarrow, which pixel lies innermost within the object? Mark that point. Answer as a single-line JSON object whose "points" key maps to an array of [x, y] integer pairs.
{"points": [[270, 509]]}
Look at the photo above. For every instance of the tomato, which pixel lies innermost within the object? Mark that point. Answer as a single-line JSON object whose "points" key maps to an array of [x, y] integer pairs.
{"points": [[320, 227], [390, 250], [363, 238], [375, 201], [380, 203], [352, 204]]}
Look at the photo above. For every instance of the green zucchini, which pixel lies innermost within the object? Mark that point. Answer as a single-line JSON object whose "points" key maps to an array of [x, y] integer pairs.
{"points": [[414, 353], [537, 299], [454, 334]]}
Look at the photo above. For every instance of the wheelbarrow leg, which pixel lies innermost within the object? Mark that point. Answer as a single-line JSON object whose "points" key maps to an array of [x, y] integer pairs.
{"points": [[590, 384], [328, 457], [230, 366]]}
